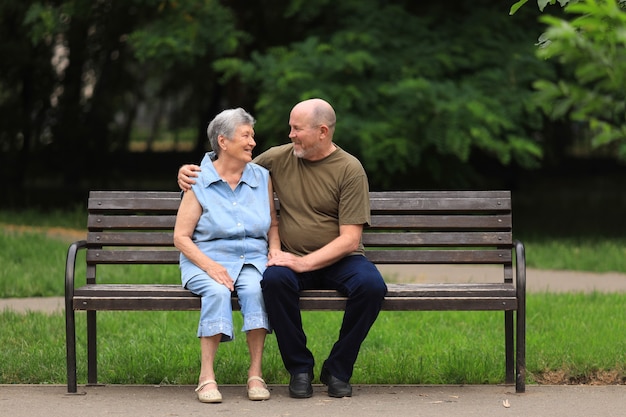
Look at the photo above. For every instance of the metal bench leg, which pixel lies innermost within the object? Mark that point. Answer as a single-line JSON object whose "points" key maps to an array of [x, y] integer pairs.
{"points": [[92, 353], [520, 381], [70, 342], [509, 343]]}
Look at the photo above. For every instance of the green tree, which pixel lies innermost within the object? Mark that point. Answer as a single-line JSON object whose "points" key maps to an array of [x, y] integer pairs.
{"points": [[427, 94], [418, 89], [26, 82], [540, 3], [178, 46], [591, 46], [102, 60]]}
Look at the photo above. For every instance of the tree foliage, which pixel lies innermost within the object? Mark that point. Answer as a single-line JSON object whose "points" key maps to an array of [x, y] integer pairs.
{"points": [[540, 3], [26, 83], [422, 90], [593, 44], [590, 44], [433, 87], [104, 62]]}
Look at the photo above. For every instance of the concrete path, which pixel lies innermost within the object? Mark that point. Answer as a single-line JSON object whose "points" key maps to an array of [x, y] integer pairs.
{"points": [[367, 400], [537, 280]]}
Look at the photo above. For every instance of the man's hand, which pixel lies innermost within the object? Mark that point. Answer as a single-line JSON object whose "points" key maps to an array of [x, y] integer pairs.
{"points": [[186, 175], [274, 253], [291, 261]]}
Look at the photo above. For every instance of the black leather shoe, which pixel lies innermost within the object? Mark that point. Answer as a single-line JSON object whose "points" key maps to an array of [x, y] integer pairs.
{"points": [[300, 385], [336, 387]]}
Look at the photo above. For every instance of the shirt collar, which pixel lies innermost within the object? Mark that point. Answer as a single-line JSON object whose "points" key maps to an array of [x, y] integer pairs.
{"points": [[209, 175]]}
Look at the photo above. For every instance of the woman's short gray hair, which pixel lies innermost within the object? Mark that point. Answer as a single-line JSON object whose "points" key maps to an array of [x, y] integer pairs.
{"points": [[225, 124]]}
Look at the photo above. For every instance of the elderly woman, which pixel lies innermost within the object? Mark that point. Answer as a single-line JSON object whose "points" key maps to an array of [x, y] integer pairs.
{"points": [[225, 226]]}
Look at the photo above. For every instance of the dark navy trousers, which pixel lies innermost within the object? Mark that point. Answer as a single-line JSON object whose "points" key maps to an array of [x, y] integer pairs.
{"points": [[354, 276]]}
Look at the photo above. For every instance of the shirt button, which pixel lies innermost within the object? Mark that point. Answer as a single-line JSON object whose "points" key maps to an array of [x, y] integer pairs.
{"points": [[241, 257], [238, 224], [234, 203]]}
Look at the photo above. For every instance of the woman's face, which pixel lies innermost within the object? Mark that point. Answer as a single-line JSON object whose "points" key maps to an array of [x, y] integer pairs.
{"points": [[242, 143]]}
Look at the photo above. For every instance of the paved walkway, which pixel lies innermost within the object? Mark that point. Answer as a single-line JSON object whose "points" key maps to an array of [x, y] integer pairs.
{"points": [[367, 400]]}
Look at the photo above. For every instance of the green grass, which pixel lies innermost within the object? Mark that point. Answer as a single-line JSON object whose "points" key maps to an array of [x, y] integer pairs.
{"points": [[574, 337], [75, 218], [591, 254]]}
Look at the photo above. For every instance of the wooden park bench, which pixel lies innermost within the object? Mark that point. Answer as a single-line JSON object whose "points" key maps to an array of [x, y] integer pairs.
{"points": [[408, 227]]}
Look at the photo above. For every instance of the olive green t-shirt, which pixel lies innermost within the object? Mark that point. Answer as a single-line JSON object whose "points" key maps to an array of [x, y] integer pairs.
{"points": [[316, 196]]}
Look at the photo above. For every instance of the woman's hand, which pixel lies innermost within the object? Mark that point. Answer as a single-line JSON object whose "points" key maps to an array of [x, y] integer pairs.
{"points": [[220, 275]]}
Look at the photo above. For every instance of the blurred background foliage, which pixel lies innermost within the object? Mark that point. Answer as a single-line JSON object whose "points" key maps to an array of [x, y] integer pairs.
{"points": [[471, 94]]}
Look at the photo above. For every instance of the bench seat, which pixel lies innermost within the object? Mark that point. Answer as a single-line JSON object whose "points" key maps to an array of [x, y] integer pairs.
{"points": [[400, 297]]}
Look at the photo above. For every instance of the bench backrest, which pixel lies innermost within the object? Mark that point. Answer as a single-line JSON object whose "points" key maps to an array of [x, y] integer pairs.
{"points": [[408, 227]]}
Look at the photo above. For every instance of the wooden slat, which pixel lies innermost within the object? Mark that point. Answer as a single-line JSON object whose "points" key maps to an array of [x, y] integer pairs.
{"points": [[133, 290], [495, 289], [472, 194], [135, 304], [135, 201], [96, 256], [131, 238], [394, 290], [418, 204], [310, 304], [106, 195], [445, 304], [147, 205], [497, 256], [102, 221], [441, 222], [162, 238], [479, 296], [437, 239], [404, 200]]}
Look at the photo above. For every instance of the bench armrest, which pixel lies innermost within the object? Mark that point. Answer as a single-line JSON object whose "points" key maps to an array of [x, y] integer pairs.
{"points": [[70, 271]]}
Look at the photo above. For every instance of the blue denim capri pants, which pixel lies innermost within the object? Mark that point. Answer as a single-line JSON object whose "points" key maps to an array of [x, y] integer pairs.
{"points": [[216, 314]]}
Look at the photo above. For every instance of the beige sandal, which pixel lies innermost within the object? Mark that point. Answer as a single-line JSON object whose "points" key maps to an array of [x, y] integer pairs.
{"points": [[258, 393], [209, 396]]}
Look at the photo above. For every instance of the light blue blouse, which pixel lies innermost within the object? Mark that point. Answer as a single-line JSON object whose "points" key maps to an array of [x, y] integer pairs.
{"points": [[233, 227]]}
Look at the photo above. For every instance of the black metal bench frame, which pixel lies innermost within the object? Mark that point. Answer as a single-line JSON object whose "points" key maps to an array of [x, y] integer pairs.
{"points": [[408, 227]]}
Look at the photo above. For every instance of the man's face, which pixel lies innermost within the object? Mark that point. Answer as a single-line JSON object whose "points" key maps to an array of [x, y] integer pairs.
{"points": [[305, 136]]}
